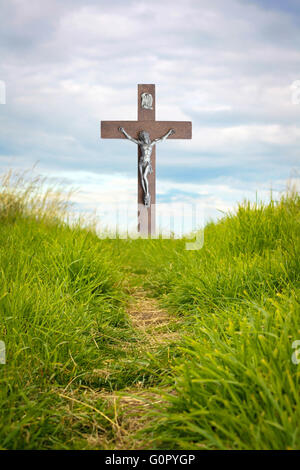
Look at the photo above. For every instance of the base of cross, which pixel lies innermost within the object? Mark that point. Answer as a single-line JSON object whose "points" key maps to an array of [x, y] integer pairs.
{"points": [[147, 220], [156, 129]]}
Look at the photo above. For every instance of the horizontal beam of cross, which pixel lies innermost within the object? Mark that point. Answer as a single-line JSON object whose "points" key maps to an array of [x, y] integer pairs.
{"points": [[156, 129]]}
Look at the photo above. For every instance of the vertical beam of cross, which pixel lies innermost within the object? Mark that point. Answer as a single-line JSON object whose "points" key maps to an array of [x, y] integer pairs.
{"points": [[147, 216]]}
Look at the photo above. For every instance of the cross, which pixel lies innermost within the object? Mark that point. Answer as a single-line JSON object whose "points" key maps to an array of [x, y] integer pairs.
{"points": [[146, 122]]}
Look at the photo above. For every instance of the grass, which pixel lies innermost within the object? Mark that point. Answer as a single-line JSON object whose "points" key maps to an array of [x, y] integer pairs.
{"points": [[63, 320], [227, 381]]}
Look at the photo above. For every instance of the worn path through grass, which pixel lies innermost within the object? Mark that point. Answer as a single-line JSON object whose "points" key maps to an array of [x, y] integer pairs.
{"points": [[90, 352], [156, 330]]}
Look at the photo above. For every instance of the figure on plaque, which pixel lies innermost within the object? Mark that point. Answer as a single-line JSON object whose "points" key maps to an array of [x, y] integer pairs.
{"points": [[145, 166], [147, 100]]}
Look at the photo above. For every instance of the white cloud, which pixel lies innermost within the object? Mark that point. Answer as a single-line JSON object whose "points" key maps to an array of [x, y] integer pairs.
{"points": [[227, 66]]}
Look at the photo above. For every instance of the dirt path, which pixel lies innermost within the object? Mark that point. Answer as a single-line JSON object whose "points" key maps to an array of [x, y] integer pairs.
{"points": [[127, 410], [132, 404], [147, 316]]}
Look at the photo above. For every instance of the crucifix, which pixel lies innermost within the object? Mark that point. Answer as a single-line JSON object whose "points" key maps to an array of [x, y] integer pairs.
{"points": [[146, 132]]}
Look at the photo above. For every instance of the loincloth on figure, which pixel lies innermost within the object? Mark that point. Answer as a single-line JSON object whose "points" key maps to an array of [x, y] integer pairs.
{"points": [[146, 161]]}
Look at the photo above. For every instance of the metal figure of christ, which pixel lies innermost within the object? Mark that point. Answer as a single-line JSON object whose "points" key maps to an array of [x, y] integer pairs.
{"points": [[145, 167]]}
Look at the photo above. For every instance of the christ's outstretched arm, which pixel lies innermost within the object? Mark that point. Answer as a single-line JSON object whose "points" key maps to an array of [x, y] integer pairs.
{"points": [[164, 137], [121, 129]]}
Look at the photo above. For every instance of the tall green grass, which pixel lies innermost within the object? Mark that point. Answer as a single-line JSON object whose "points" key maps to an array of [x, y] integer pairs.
{"points": [[63, 321], [63, 296], [236, 386]]}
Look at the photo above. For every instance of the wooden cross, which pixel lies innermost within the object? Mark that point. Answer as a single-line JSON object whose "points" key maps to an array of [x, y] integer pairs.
{"points": [[156, 129]]}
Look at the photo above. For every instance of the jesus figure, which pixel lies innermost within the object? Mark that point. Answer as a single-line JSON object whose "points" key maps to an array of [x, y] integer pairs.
{"points": [[145, 166]]}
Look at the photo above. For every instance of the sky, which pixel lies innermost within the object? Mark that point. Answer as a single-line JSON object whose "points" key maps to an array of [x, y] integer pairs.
{"points": [[232, 67]]}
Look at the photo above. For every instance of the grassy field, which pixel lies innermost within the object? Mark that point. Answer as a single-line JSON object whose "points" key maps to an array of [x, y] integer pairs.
{"points": [[82, 374]]}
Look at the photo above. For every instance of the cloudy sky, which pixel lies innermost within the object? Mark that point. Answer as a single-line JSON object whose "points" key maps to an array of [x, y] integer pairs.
{"points": [[227, 65]]}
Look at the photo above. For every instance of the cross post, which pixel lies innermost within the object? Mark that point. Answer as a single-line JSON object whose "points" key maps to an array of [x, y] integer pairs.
{"points": [[146, 122]]}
